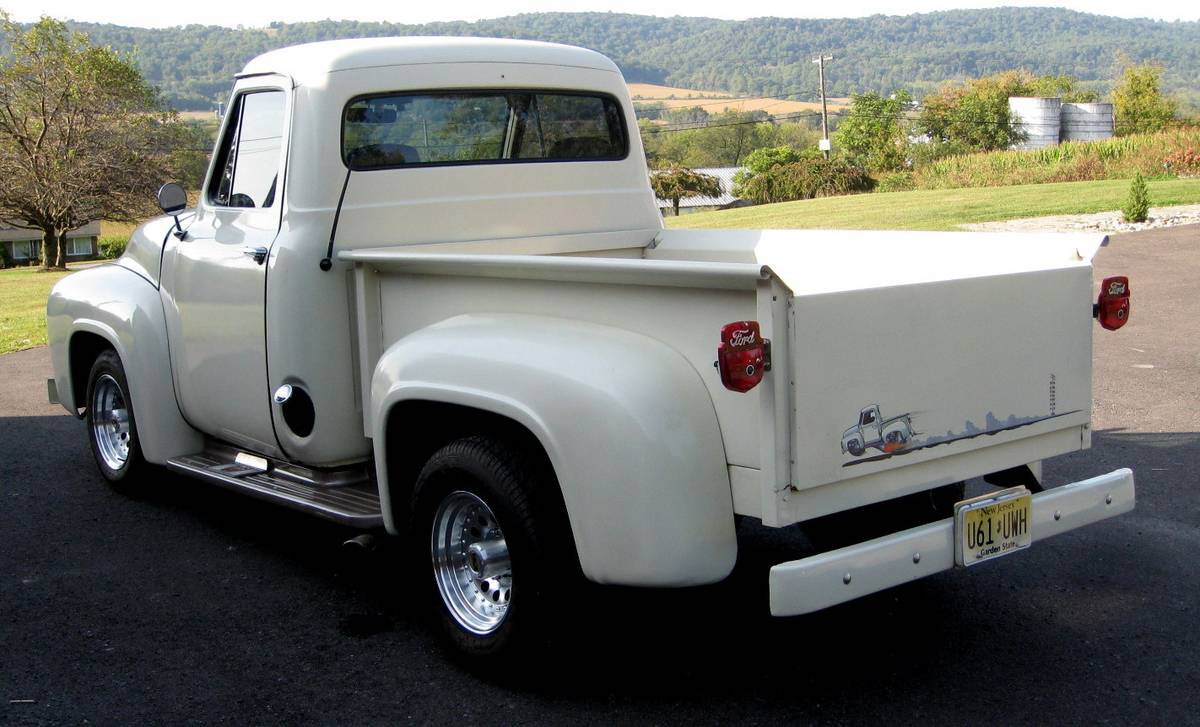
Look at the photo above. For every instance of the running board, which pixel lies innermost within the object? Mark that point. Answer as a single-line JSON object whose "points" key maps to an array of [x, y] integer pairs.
{"points": [[351, 501]]}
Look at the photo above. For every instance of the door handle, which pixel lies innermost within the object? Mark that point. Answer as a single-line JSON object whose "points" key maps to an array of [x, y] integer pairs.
{"points": [[258, 253]]}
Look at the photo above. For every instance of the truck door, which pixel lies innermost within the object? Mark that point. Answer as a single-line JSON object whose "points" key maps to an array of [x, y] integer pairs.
{"points": [[214, 279], [869, 422]]}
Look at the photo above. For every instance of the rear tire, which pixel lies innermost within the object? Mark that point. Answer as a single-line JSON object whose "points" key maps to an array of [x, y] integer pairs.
{"points": [[111, 423], [487, 536]]}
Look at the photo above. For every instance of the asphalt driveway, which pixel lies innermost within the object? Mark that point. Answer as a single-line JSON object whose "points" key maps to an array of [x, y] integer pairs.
{"points": [[193, 605]]}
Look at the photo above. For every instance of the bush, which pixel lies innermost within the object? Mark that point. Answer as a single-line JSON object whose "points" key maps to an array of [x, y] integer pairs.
{"points": [[924, 153], [761, 161], [112, 247], [896, 182], [1073, 161], [1183, 163], [805, 180], [1137, 204]]}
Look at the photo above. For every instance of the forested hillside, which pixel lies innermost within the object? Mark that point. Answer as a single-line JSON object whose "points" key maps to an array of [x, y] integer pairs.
{"points": [[194, 65]]}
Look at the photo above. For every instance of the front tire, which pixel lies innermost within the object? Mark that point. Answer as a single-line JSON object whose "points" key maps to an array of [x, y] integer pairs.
{"points": [[484, 528], [111, 423]]}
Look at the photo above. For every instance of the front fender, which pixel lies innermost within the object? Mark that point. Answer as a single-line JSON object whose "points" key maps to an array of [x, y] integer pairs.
{"points": [[625, 420], [123, 308]]}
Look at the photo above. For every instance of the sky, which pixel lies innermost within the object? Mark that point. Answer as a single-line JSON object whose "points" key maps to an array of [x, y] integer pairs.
{"points": [[167, 13]]}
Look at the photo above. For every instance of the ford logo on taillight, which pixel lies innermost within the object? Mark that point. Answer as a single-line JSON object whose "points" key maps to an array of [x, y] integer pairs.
{"points": [[1112, 308], [742, 355]]}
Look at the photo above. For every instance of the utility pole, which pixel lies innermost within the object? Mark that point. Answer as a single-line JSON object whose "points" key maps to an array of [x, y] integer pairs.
{"points": [[820, 61]]}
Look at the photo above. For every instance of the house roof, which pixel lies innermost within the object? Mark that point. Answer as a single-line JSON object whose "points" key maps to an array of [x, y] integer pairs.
{"points": [[304, 62], [9, 233], [725, 174]]}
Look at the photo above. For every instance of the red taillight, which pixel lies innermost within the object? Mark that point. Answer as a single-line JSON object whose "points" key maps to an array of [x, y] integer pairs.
{"points": [[1112, 307], [742, 355]]}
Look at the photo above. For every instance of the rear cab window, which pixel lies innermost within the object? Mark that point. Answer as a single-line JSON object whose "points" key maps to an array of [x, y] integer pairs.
{"points": [[386, 131]]}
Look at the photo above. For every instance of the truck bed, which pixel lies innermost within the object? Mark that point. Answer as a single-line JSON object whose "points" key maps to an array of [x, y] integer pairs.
{"points": [[984, 340]]}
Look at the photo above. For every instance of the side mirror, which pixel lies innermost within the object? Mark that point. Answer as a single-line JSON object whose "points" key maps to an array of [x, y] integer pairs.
{"points": [[172, 199]]}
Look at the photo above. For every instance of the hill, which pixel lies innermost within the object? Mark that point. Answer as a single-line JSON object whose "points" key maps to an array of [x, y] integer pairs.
{"points": [[765, 56]]}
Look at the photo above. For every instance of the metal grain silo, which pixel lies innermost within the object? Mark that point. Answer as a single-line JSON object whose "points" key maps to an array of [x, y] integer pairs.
{"points": [[1037, 119], [1087, 121]]}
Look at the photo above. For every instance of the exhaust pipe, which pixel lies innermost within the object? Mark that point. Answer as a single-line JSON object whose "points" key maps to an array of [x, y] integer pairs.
{"points": [[365, 543]]}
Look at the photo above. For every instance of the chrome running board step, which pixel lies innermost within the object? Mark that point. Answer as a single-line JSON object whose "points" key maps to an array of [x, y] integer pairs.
{"points": [[347, 497]]}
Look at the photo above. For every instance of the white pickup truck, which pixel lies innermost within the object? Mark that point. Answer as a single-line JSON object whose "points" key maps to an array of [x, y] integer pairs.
{"points": [[426, 288]]}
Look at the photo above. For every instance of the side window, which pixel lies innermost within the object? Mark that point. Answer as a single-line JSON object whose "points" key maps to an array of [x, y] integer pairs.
{"points": [[248, 158], [868, 417]]}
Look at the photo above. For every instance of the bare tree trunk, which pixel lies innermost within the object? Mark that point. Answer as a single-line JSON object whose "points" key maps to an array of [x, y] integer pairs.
{"points": [[52, 248], [49, 245], [675, 203]]}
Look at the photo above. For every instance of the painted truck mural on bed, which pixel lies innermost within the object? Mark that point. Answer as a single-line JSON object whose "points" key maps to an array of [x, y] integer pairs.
{"points": [[896, 436], [872, 430]]}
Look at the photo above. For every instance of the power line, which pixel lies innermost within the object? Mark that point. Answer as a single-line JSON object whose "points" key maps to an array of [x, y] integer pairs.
{"points": [[692, 125], [725, 101], [705, 125]]}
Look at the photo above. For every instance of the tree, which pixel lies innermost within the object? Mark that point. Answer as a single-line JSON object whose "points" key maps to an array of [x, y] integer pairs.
{"points": [[874, 132], [1137, 204], [724, 142], [1138, 101], [974, 115], [82, 135], [676, 183]]}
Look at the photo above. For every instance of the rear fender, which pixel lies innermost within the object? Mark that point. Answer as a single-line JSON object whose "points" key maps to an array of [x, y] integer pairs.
{"points": [[123, 308], [625, 421]]}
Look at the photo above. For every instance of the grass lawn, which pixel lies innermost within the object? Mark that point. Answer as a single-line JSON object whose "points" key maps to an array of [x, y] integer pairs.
{"points": [[23, 294], [941, 209]]}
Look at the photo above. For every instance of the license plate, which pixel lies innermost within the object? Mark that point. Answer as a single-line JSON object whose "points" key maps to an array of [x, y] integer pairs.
{"points": [[992, 525]]}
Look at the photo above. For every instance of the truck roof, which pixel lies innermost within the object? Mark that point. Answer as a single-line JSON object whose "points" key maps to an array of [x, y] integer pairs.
{"points": [[304, 61]]}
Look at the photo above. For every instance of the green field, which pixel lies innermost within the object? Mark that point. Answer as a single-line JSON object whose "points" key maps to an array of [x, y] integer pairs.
{"points": [[941, 209], [23, 293]]}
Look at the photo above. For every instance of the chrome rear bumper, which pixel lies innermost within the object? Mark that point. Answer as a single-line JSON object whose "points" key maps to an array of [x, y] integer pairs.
{"points": [[820, 581]]}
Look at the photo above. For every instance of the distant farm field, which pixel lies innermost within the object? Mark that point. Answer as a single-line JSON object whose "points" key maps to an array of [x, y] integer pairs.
{"points": [[198, 115], [940, 209], [654, 92], [713, 101]]}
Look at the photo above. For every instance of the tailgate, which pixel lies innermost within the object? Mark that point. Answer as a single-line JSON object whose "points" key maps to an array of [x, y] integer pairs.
{"points": [[920, 359]]}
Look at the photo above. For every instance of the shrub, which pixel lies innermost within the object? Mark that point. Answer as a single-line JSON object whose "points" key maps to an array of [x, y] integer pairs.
{"points": [[1184, 163], [805, 180], [896, 182], [1074, 161], [761, 161], [112, 247], [1137, 204]]}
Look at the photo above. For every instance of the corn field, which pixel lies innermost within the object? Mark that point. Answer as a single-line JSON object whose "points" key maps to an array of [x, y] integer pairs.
{"points": [[1153, 155]]}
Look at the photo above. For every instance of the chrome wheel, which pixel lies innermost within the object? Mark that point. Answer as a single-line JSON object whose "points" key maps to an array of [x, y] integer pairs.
{"points": [[110, 422], [470, 563]]}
